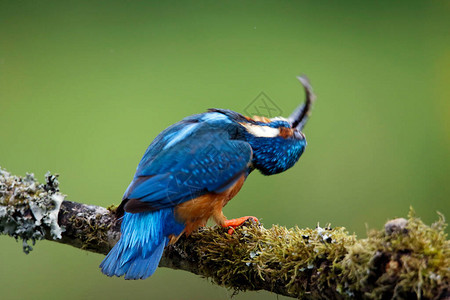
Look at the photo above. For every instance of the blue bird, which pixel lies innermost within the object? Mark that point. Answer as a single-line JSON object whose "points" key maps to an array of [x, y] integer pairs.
{"points": [[189, 173]]}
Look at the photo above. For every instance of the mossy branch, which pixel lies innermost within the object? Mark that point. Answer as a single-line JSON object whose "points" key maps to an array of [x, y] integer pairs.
{"points": [[405, 260]]}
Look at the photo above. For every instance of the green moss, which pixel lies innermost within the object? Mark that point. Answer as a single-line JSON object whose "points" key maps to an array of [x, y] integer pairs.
{"points": [[413, 263], [309, 262], [296, 257]]}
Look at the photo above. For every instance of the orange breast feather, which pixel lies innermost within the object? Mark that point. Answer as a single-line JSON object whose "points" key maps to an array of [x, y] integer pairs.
{"points": [[196, 212]]}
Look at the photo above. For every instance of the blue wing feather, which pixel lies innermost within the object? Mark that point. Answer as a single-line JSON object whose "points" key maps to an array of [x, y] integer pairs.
{"points": [[193, 157]]}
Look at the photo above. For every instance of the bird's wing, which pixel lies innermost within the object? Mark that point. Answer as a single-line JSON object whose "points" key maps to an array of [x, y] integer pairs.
{"points": [[197, 159]]}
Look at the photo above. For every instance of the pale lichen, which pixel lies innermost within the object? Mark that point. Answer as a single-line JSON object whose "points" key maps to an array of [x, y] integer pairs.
{"points": [[29, 210]]}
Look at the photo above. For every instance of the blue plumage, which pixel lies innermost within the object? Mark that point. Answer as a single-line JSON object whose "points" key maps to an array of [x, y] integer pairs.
{"points": [[276, 155], [204, 158], [139, 250]]}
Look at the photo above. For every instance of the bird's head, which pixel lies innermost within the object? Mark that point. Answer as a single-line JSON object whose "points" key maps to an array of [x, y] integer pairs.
{"points": [[277, 143]]}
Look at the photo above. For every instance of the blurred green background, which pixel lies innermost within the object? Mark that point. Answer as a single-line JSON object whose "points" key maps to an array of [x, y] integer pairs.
{"points": [[86, 85]]}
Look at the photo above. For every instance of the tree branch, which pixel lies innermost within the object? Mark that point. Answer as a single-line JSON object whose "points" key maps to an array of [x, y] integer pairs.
{"points": [[407, 259]]}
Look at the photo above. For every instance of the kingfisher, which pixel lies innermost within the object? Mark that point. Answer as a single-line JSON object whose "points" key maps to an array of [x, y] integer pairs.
{"points": [[189, 173]]}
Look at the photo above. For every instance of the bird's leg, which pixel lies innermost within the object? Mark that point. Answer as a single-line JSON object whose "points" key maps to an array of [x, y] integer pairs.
{"points": [[233, 223], [221, 220]]}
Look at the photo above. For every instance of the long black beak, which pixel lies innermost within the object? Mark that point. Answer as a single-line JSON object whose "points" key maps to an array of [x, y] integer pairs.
{"points": [[300, 116]]}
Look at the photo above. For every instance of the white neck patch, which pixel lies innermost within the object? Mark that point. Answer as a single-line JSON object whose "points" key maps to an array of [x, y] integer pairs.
{"points": [[261, 131], [279, 119]]}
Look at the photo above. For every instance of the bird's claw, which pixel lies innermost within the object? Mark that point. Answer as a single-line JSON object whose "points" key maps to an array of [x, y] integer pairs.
{"points": [[233, 223]]}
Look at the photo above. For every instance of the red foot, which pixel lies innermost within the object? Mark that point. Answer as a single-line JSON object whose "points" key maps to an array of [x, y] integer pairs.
{"points": [[233, 223]]}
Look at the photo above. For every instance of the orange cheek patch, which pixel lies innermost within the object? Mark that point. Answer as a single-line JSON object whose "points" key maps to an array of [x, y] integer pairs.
{"points": [[286, 132]]}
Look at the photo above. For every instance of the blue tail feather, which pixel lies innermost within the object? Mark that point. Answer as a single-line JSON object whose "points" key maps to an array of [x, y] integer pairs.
{"points": [[144, 236]]}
